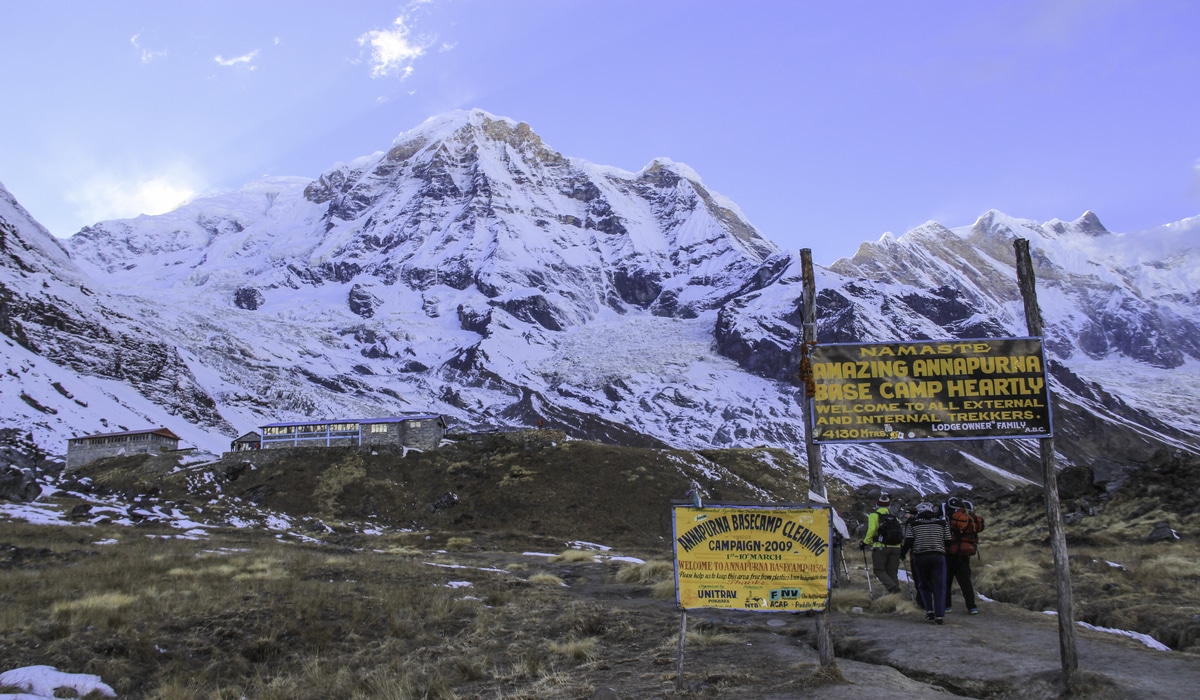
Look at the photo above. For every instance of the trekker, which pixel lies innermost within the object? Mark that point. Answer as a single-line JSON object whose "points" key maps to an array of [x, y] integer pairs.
{"points": [[965, 527], [926, 536], [909, 514], [884, 536]]}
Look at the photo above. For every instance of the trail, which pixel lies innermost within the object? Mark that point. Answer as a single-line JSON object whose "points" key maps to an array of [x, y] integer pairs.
{"points": [[1005, 652]]}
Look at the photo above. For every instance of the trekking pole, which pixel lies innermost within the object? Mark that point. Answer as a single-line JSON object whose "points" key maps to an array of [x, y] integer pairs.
{"points": [[867, 569]]}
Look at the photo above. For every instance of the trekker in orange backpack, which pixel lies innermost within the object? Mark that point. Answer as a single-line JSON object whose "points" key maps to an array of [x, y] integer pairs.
{"points": [[965, 527]]}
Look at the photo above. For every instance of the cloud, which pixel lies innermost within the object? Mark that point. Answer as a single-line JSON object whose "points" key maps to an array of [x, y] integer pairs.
{"points": [[230, 62], [106, 195], [147, 56], [394, 50]]}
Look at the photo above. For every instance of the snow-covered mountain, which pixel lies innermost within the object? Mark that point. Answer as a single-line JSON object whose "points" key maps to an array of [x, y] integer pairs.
{"points": [[77, 359], [471, 270]]}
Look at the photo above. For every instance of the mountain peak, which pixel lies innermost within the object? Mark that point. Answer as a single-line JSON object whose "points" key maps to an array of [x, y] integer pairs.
{"points": [[1088, 225]]}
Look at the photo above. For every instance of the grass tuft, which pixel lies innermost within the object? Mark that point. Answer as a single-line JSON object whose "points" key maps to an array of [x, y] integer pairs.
{"points": [[650, 572], [574, 556], [576, 649]]}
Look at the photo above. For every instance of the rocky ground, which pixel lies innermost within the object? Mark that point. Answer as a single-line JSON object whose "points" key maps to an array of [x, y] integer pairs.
{"points": [[494, 507], [1004, 652]]}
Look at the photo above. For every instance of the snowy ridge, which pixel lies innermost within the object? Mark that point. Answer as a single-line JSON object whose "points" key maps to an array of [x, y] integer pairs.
{"points": [[471, 270]]}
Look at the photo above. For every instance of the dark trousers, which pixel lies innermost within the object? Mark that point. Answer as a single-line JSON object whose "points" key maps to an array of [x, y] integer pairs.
{"points": [[958, 568], [916, 583], [931, 580]]}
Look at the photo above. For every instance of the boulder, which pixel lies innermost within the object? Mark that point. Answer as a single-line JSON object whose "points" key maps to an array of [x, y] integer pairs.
{"points": [[18, 485], [1162, 532]]}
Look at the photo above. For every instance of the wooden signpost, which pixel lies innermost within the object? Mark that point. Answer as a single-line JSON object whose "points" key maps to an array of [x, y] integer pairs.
{"points": [[1058, 538]]}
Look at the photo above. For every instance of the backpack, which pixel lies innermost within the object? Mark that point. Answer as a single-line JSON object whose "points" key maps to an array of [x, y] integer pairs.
{"points": [[890, 531], [964, 533]]}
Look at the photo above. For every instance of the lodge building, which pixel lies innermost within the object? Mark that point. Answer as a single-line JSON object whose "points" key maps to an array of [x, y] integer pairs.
{"points": [[89, 448], [420, 431]]}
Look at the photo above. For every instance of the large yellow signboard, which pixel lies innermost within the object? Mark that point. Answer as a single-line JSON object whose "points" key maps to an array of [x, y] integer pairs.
{"points": [[752, 557], [930, 390]]}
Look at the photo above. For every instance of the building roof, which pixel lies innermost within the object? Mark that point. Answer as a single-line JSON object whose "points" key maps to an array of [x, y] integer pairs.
{"points": [[364, 421], [164, 432], [251, 436]]}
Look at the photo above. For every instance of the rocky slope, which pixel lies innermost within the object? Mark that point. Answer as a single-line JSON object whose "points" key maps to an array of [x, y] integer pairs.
{"points": [[471, 270]]}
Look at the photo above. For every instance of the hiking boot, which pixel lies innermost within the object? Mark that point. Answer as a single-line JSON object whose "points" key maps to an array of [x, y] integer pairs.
{"points": [[972, 611], [929, 615], [948, 610], [938, 621]]}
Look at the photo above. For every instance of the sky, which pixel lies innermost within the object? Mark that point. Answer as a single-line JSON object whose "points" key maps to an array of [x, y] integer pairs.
{"points": [[828, 123]]}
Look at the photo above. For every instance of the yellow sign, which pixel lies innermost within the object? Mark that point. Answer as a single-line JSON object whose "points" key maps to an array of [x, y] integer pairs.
{"points": [[930, 390], [748, 557]]}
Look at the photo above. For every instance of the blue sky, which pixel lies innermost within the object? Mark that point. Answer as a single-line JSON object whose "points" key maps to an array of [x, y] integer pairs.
{"points": [[827, 123]]}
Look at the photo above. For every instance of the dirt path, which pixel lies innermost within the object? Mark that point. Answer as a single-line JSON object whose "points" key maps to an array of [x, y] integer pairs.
{"points": [[1005, 652], [1008, 647]]}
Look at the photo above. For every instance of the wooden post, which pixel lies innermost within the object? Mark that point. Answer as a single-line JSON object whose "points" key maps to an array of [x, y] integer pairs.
{"points": [[808, 338], [1058, 538], [679, 651], [816, 477]]}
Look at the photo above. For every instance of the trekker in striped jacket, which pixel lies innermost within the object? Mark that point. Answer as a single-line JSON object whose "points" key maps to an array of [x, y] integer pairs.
{"points": [[926, 536]]}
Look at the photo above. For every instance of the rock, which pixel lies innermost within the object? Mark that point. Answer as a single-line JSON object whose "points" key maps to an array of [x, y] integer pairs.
{"points": [[446, 500], [1162, 532], [1111, 476], [248, 298], [362, 302], [1076, 482], [18, 485]]}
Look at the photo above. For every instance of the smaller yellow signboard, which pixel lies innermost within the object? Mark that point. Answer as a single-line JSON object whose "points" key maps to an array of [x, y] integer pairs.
{"points": [[769, 558]]}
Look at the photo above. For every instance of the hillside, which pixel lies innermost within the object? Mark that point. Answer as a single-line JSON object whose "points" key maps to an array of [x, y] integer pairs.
{"points": [[529, 565], [501, 488]]}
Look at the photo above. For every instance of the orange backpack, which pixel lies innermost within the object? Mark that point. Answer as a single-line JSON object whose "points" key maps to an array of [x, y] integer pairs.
{"points": [[964, 533]]}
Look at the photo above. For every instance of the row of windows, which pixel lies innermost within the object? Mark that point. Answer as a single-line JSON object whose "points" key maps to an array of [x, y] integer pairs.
{"points": [[323, 428], [112, 440]]}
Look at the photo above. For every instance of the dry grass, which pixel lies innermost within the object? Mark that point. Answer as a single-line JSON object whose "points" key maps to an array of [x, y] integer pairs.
{"points": [[104, 610], [1152, 588], [845, 599], [574, 556], [647, 573], [895, 604], [664, 590], [576, 649], [246, 615]]}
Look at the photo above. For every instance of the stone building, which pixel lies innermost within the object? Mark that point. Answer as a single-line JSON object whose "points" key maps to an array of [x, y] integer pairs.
{"points": [[422, 431], [249, 441], [89, 448]]}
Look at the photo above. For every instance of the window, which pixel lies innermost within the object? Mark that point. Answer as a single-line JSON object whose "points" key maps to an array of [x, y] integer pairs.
{"points": [[379, 427]]}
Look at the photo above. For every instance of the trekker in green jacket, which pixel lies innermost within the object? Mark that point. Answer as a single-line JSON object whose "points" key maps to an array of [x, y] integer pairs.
{"points": [[884, 536]]}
